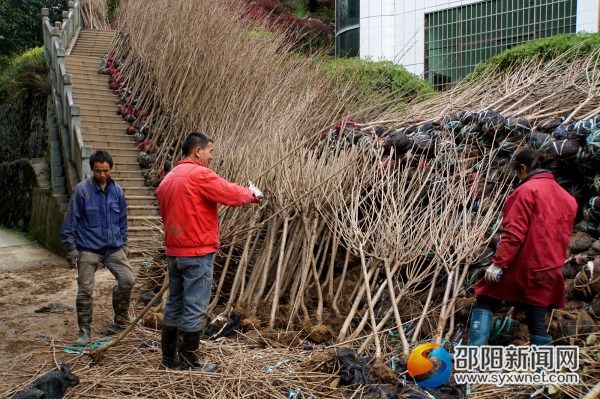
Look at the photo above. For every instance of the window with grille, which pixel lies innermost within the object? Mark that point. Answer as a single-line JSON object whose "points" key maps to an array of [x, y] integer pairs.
{"points": [[457, 39]]}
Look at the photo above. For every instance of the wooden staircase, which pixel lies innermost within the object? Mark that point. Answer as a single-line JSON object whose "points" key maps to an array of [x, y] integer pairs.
{"points": [[104, 129]]}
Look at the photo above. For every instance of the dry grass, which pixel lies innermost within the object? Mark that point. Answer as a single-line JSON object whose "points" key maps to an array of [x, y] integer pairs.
{"points": [[344, 243], [95, 14]]}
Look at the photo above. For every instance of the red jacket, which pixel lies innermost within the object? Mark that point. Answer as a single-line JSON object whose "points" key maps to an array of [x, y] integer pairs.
{"points": [[538, 220], [188, 198]]}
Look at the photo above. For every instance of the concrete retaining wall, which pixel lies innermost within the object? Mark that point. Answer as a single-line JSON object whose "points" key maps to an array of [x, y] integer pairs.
{"points": [[46, 219]]}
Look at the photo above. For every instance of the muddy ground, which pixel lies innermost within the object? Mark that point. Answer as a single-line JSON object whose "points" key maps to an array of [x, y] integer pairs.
{"points": [[32, 277]]}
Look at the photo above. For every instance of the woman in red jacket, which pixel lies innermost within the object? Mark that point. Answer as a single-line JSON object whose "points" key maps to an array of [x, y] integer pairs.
{"points": [[526, 269]]}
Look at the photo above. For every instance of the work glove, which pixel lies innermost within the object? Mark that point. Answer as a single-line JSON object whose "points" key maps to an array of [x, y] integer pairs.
{"points": [[493, 274], [73, 258], [256, 191]]}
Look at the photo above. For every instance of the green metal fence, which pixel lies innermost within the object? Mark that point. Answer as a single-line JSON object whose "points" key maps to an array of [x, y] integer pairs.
{"points": [[457, 39]]}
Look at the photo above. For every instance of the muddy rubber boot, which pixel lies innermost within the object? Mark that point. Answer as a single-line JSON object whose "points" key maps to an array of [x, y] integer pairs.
{"points": [[168, 341], [480, 327], [120, 302], [84, 320], [187, 353]]}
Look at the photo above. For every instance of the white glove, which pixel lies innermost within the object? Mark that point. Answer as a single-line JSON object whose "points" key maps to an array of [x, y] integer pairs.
{"points": [[493, 274], [255, 190]]}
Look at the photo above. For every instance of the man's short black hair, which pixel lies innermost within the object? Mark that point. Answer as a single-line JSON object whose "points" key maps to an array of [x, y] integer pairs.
{"points": [[193, 140], [101, 156]]}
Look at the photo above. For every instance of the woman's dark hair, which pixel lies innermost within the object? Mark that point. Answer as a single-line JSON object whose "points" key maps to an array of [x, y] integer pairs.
{"points": [[193, 140], [101, 156], [533, 159]]}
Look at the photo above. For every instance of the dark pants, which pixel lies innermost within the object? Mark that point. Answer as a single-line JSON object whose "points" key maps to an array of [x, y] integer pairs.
{"points": [[190, 286], [535, 315]]}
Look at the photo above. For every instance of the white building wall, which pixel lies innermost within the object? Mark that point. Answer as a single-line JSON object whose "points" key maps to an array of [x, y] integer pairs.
{"points": [[393, 30], [588, 15]]}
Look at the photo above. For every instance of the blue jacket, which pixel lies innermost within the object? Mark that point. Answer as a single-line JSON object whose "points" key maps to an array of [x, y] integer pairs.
{"points": [[95, 221]]}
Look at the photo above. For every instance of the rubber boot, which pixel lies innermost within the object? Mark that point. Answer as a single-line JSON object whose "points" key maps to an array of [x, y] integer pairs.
{"points": [[84, 320], [120, 302], [540, 340], [168, 341], [480, 327], [188, 355]]}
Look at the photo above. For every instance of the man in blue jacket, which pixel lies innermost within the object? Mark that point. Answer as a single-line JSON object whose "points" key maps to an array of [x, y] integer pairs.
{"points": [[94, 231]]}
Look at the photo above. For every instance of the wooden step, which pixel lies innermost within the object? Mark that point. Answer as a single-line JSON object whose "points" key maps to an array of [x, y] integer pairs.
{"points": [[143, 221], [137, 230], [92, 94], [137, 191], [116, 125], [98, 142], [126, 166], [141, 210], [140, 199], [100, 102], [91, 45], [123, 174], [124, 152]]}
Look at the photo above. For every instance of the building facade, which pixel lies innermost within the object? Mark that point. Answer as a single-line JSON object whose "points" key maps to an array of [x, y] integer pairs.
{"points": [[443, 40]]}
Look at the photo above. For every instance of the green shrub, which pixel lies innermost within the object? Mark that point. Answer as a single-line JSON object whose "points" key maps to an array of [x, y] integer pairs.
{"points": [[577, 45], [25, 75], [300, 10], [384, 79]]}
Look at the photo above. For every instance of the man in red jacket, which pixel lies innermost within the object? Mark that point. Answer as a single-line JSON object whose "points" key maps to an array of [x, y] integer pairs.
{"points": [[526, 269], [188, 198]]}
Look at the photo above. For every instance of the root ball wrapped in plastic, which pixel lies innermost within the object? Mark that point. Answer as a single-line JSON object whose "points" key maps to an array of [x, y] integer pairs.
{"points": [[145, 160], [548, 125], [452, 124], [517, 126], [485, 257], [595, 183], [423, 141], [594, 249], [586, 284], [566, 132], [397, 142], [139, 137], [540, 141], [584, 127], [494, 126], [592, 146], [591, 211], [571, 326], [563, 149], [580, 242], [470, 131], [468, 117]]}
